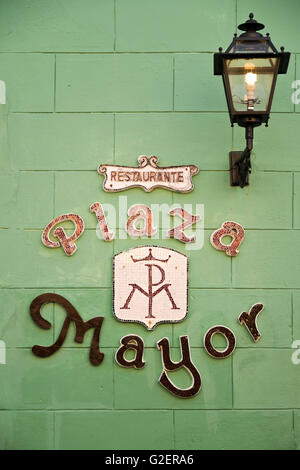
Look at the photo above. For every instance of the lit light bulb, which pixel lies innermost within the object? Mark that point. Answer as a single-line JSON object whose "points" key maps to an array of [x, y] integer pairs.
{"points": [[250, 78]]}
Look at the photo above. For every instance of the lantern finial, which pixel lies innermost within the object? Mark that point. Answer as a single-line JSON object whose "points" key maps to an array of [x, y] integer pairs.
{"points": [[251, 24]]}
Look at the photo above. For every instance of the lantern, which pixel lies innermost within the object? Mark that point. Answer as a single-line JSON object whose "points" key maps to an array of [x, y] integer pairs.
{"points": [[249, 69]]}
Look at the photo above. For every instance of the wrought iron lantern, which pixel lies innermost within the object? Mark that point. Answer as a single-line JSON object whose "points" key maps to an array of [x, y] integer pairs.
{"points": [[249, 69]]}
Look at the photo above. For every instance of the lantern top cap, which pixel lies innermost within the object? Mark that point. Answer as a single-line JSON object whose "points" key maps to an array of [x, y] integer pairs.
{"points": [[251, 24]]}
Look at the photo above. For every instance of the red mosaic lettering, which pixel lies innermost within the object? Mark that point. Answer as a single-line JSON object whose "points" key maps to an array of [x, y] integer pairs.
{"points": [[67, 243]]}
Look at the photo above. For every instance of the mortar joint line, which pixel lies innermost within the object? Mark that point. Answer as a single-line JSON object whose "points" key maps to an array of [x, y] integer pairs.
{"points": [[295, 78], [54, 434], [54, 84], [54, 189], [174, 439], [232, 384], [292, 314], [114, 138], [115, 25], [293, 198], [173, 104]]}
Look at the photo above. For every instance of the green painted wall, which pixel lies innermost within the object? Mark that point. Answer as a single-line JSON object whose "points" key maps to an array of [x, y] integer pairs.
{"points": [[102, 81]]}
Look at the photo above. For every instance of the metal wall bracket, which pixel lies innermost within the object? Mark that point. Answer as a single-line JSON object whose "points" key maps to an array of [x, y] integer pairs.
{"points": [[234, 169]]}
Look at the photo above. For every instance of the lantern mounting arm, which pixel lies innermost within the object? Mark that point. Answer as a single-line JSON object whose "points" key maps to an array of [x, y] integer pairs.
{"points": [[240, 163]]}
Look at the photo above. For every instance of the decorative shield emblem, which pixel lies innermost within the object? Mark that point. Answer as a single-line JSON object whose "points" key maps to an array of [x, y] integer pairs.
{"points": [[150, 286]]}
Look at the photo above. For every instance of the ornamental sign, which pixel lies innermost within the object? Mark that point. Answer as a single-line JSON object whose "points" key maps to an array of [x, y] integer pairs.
{"points": [[150, 283], [150, 286], [148, 175]]}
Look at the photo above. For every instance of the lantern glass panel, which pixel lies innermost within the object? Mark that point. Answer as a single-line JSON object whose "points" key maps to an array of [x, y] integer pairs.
{"points": [[250, 82]]}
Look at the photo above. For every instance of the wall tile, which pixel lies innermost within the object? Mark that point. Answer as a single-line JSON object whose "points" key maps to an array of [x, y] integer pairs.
{"points": [[267, 259], [297, 200], [114, 430], [224, 202], [5, 158], [234, 430], [29, 80], [31, 264], [76, 191], [139, 389], [223, 307], [17, 429], [176, 138], [296, 315], [196, 87], [37, 25], [275, 148], [176, 29], [126, 82], [265, 378], [297, 428], [207, 270], [17, 329], [61, 141], [282, 24], [65, 380], [27, 200]]}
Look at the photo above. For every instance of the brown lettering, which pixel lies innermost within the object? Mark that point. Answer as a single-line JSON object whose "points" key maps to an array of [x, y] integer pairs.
{"points": [[96, 356], [230, 338], [249, 320], [180, 177], [167, 176], [135, 343], [152, 176], [169, 365]]}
